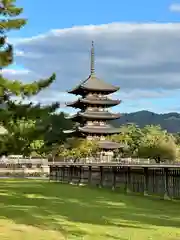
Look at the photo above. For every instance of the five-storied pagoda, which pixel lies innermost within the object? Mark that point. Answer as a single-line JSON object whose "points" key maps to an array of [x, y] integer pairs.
{"points": [[94, 117]]}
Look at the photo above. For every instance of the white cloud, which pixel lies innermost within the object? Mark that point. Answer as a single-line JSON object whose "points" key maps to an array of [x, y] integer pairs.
{"points": [[143, 59], [24, 75], [174, 7], [15, 72]]}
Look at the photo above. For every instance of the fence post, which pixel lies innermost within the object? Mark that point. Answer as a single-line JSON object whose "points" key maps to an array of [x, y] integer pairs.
{"points": [[80, 175], [101, 177], [114, 169], [166, 183], [128, 180], [60, 173], [146, 181], [56, 173], [63, 173], [70, 174], [89, 175], [50, 173]]}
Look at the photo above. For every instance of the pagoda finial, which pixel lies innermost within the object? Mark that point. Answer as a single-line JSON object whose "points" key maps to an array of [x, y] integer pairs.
{"points": [[92, 59]]}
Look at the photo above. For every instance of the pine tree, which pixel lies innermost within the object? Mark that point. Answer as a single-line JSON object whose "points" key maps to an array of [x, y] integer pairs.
{"points": [[11, 111], [8, 88]]}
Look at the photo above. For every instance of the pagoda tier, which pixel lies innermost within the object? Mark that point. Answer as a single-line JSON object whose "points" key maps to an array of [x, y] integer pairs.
{"points": [[95, 130], [94, 85], [94, 115], [94, 101], [99, 130], [103, 144]]}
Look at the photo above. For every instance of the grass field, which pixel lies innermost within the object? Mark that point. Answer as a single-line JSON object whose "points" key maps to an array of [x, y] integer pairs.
{"points": [[41, 210]]}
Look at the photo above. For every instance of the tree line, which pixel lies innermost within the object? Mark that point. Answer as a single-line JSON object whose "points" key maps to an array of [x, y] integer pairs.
{"points": [[150, 142]]}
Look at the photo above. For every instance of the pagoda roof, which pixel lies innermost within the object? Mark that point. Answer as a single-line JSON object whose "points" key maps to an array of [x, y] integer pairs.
{"points": [[104, 144], [79, 103], [96, 129], [92, 83], [95, 115], [73, 132], [107, 129]]}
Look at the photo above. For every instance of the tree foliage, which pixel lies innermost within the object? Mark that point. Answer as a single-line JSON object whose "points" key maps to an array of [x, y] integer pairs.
{"points": [[130, 136], [20, 137], [157, 144], [18, 118], [78, 148], [149, 142], [10, 21]]}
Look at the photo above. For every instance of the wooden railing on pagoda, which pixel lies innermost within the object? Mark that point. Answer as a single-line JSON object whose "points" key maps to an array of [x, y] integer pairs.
{"points": [[148, 179]]}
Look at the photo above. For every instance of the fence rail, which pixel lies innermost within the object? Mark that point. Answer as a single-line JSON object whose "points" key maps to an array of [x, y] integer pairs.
{"points": [[116, 164], [24, 161], [162, 180]]}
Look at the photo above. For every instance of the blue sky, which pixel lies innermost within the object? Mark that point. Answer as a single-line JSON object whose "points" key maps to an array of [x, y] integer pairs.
{"points": [[64, 14], [43, 17]]}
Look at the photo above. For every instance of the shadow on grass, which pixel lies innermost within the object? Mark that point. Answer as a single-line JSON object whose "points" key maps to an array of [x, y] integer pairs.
{"points": [[54, 206]]}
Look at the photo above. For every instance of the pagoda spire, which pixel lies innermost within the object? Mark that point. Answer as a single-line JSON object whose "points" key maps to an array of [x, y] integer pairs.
{"points": [[92, 60]]}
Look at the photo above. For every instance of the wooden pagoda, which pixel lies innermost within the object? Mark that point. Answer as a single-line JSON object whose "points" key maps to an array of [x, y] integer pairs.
{"points": [[93, 118]]}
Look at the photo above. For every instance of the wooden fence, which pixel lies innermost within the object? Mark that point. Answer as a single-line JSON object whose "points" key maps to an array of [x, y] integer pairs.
{"points": [[161, 180]]}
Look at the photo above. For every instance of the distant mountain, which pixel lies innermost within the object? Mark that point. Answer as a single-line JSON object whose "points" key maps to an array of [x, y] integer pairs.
{"points": [[168, 121]]}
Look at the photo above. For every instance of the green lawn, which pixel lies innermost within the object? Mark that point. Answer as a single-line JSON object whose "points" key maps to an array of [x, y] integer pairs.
{"points": [[41, 210]]}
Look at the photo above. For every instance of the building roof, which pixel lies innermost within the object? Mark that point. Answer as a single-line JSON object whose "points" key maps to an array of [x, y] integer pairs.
{"points": [[92, 83], [95, 115], [107, 129], [104, 144], [100, 101], [99, 115], [80, 103], [73, 132]]}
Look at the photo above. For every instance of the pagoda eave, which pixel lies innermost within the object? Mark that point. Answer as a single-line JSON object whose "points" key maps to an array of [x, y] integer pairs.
{"points": [[79, 117], [73, 133], [75, 91], [107, 91], [74, 117], [101, 102], [76, 106], [104, 144], [73, 104], [105, 131], [82, 90], [81, 103], [99, 116]]}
